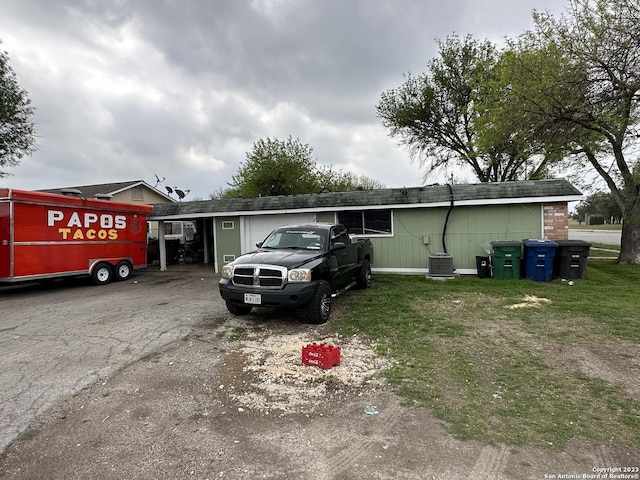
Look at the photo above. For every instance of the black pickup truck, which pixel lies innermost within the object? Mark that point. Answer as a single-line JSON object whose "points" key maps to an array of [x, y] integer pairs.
{"points": [[298, 266]]}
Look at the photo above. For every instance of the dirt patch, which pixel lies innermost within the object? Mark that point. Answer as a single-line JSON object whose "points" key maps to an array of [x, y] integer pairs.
{"points": [[281, 384], [530, 301], [615, 363], [460, 305]]}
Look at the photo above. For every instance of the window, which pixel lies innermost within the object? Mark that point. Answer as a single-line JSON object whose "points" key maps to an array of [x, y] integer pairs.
{"points": [[228, 225], [366, 222], [295, 238], [228, 258], [339, 234], [182, 230], [173, 228]]}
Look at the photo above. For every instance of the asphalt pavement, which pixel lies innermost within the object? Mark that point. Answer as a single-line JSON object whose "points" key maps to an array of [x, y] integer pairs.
{"points": [[61, 337], [609, 237]]}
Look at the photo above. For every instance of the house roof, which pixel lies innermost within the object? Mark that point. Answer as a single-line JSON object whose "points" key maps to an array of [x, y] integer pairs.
{"points": [[108, 188], [530, 191]]}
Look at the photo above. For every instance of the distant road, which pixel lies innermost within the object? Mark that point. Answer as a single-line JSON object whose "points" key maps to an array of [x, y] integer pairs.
{"points": [[610, 237]]}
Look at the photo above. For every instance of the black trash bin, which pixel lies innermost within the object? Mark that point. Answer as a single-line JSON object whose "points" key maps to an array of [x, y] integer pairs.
{"points": [[571, 259], [483, 266]]}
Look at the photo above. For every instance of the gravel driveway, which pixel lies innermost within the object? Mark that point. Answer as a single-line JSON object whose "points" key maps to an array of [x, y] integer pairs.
{"points": [[152, 378]]}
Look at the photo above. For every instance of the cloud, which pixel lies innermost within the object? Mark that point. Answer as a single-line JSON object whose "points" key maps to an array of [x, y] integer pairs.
{"points": [[128, 89]]}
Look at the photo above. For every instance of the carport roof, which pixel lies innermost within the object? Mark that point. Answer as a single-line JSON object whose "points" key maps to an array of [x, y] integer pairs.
{"points": [[432, 195]]}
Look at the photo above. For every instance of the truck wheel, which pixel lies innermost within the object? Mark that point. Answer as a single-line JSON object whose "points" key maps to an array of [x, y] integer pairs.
{"points": [[238, 309], [101, 274], [319, 307], [123, 270], [364, 278]]}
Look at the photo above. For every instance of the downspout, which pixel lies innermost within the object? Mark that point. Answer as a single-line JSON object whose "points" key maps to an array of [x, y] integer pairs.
{"points": [[446, 220]]}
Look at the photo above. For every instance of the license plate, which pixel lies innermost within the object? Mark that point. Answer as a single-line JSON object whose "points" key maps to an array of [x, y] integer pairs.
{"points": [[253, 298]]}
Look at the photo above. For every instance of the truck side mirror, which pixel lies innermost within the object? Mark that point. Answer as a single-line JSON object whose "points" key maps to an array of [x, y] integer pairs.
{"points": [[259, 244], [337, 246]]}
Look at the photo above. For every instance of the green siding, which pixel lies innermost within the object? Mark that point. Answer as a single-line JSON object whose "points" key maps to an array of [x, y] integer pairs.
{"points": [[325, 217], [227, 240], [469, 231]]}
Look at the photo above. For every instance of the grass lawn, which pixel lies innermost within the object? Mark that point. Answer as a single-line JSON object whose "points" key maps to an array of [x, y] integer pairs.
{"points": [[512, 361], [601, 250]]}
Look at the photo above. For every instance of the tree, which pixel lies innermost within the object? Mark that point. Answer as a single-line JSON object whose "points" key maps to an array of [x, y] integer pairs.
{"points": [[577, 78], [446, 116], [276, 167], [599, 204], [331, 180], [507, 133], [17, 129]]}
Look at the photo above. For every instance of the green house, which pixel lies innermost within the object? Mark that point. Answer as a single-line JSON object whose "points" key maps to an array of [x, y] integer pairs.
{"points": [[407, 226]]}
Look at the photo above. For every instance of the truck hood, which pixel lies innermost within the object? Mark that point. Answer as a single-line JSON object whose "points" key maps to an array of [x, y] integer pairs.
{"points": [[283, 257]]}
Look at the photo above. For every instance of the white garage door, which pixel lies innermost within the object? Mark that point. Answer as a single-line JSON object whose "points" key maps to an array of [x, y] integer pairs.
{"points": [[256, 228]]}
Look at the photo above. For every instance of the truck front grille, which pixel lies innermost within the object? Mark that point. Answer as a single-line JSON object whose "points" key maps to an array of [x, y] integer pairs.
{"points": [[259, 276]]}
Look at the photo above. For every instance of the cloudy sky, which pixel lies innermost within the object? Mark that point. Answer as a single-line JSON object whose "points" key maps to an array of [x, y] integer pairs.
{"points": [[182, 89]]}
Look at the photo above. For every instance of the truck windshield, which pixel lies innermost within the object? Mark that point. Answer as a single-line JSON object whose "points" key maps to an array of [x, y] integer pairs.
{"points": [[296, 238]]}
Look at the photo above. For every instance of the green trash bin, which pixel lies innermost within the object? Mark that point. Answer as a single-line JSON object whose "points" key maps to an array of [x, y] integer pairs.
{"points": [[505, 258]]}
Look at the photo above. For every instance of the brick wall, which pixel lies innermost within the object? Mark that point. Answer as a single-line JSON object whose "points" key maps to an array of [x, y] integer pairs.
{"points": [[556, 221]]}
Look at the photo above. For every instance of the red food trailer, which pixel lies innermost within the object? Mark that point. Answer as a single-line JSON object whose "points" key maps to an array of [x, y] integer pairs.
{"points": [[48, 235]]}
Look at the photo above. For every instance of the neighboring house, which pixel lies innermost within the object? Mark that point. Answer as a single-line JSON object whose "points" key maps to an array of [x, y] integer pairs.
{"points": [[406, 225], [133, 191]]}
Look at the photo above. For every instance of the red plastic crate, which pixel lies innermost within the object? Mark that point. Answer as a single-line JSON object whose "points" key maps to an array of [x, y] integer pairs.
{"points": [[321, 355]]}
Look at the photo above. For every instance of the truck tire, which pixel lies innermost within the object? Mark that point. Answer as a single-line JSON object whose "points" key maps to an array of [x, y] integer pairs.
{"points": [[364, 278], [102, 274], [124, 270], [238, 309], [319, 308]]}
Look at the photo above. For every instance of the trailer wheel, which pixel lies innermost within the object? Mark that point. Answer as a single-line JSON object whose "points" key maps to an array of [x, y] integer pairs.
{"points": [[124, 270], [102, 274]]}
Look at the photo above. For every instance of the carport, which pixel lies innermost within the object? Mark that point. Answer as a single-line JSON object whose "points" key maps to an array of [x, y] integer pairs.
{"points": [[252, 225], [204, 221]]}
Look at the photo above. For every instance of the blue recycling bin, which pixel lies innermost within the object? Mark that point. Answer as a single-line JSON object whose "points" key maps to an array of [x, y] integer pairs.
{"points": [[538, 258]]}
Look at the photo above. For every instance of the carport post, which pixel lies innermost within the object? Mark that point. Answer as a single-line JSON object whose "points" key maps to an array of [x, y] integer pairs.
{"points": [[205, 240], [162, 246]]}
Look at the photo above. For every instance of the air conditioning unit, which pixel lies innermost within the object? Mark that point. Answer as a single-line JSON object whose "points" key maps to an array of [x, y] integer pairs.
{"points": [[440, 265]]}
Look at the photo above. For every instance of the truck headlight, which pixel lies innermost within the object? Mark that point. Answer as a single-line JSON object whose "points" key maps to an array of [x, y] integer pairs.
{"points": [[227, 271], [299, 275]]}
